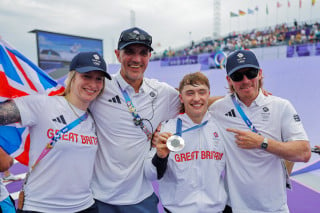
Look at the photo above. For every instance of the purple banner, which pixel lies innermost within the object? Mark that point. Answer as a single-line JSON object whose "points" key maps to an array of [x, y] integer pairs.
{"points": [[303, 50], [207, 60], [179, 60], [214, 60]]}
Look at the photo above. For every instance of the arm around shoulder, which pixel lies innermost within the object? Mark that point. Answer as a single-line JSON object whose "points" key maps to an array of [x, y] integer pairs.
{"points": [[213, 99]]}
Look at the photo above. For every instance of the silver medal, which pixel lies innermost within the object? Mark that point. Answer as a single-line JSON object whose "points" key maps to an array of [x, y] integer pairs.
{"points": [[175, 143]]}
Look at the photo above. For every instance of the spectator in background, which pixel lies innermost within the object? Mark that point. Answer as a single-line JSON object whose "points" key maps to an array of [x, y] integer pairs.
{"points": [[279, 35], [295, 24]]}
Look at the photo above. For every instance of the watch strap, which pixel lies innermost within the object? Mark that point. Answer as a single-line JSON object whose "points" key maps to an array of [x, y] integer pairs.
{"points": [[264, 144]]}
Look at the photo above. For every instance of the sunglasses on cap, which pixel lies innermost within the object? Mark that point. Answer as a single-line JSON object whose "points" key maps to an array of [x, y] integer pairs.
{"points": [[136, 37], [238, 76]]}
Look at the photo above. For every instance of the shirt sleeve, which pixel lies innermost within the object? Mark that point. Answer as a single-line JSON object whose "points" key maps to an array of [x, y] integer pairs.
{"points": [[150, 171], [155, 167], [29, 108], [291, 124], [174, 102], [160, 164]]}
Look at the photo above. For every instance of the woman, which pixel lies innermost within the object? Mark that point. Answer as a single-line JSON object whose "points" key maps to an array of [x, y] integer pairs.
{"points": [[60, 181]]}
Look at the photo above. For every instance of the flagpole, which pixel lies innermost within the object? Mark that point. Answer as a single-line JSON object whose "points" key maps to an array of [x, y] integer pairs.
{"points": [[256, 11], [267, 14], [311, 12], [287, 12], [230, 18], [239, 23], [248, 27], [256, 19], [299, 10], [277, 14], [231, 24]]}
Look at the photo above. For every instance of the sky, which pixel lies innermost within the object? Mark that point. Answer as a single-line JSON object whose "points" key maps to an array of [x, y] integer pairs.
{"points": [[172, 23]]}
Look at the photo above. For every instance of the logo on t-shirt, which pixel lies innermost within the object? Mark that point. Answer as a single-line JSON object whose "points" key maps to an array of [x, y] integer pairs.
{"points": [[265, 114], [215, 139], [115, 99], [215, 134], [60, 119], [231, 113], [296, 117]]}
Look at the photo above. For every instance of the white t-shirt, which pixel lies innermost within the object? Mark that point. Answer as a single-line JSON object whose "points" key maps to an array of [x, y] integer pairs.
{"points": [[118, 175], [255, 178], [193, 180], [61, 180], [3, 191]]}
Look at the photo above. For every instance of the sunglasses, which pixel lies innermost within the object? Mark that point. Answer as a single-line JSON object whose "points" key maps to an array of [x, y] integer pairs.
{"points": [[238, 76], [136, 37]]}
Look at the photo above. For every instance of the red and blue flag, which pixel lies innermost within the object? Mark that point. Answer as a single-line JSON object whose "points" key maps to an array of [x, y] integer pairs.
{"points": [[19, 77]]}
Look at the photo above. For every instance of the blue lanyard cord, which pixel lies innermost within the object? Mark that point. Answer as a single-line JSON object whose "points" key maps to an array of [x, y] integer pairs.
{"points": [[243, 115], [65, 129], [253, 129], [57, 136], [136, 118], [179, 127]]}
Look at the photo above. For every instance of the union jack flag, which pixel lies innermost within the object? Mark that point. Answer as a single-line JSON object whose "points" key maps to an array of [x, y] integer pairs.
{"points": [[19, 77]]}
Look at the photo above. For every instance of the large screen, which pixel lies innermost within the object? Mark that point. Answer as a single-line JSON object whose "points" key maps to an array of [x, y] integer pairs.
{"points": [[56, 50]]}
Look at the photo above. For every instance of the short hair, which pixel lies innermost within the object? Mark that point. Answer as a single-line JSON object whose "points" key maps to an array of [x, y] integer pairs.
{"points": [[195, 78]]}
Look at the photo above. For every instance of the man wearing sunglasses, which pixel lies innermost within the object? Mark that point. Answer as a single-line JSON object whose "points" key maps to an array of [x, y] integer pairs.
{"points": [[262, 132], [126, 115]]}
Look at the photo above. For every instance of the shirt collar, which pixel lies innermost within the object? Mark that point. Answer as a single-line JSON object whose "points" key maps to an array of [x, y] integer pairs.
{"points": [[257, 102], [260, 99], [188, 122], [125, 86]]}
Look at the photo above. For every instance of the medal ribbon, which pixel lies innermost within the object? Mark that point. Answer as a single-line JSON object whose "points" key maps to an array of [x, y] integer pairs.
{"points": [[136, 118], [179, 127], [58, 135], [253, 129]]}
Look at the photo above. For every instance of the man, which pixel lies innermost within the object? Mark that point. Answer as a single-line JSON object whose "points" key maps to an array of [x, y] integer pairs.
{"points": [[6, 203], [265, 130], [126, 115], [190, 178]]}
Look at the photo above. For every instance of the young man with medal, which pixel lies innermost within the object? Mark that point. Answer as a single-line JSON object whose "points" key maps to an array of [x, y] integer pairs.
{"points": [[263, 131], [63, 140], [190, 154]]}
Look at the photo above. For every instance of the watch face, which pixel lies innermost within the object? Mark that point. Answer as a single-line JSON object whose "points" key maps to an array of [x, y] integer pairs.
{"points": [[264, 145]]}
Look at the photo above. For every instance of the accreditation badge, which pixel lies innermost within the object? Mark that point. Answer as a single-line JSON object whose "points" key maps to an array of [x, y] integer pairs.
{"points": [[175, 143]]}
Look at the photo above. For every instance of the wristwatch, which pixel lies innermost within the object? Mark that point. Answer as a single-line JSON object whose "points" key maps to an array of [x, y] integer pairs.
{"points": [[264, 144]]}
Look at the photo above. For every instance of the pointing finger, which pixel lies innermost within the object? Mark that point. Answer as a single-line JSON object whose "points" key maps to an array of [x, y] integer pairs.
{"points": [[233, 130]]}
